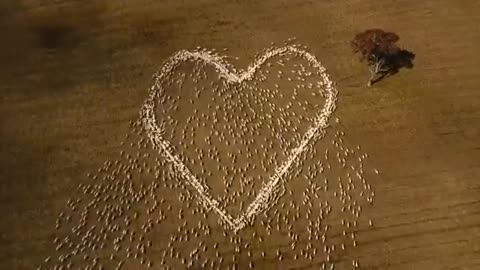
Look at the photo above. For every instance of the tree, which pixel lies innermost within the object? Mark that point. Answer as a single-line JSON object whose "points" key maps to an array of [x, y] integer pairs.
{"points": [[378, 48]]}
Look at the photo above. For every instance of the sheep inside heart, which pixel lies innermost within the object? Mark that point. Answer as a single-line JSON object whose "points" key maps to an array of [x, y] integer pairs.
{"points": [[233, 136]]}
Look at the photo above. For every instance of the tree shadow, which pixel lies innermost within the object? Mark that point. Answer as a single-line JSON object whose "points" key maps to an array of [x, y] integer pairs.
{"points": [[395, 62]]}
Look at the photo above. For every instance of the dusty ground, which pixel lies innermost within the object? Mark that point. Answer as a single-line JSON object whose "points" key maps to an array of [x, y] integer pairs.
{"points": [[74, 73]]}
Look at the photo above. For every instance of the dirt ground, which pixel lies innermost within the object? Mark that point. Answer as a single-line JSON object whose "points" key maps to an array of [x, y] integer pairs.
{"points": [[74, 74]]}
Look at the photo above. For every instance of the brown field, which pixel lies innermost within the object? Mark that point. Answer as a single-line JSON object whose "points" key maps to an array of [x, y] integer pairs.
{"points": [[73, 75]]}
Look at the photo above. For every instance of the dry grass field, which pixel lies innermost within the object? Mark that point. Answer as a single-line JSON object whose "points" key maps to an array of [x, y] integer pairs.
{"points": [[73, 74]]}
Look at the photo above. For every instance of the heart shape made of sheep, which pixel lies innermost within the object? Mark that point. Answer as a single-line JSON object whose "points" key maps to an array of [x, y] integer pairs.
{"points": [[266, 196]]}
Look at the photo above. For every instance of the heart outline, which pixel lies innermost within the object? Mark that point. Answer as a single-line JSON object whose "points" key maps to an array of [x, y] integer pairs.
{"points": [[263, 201]]}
